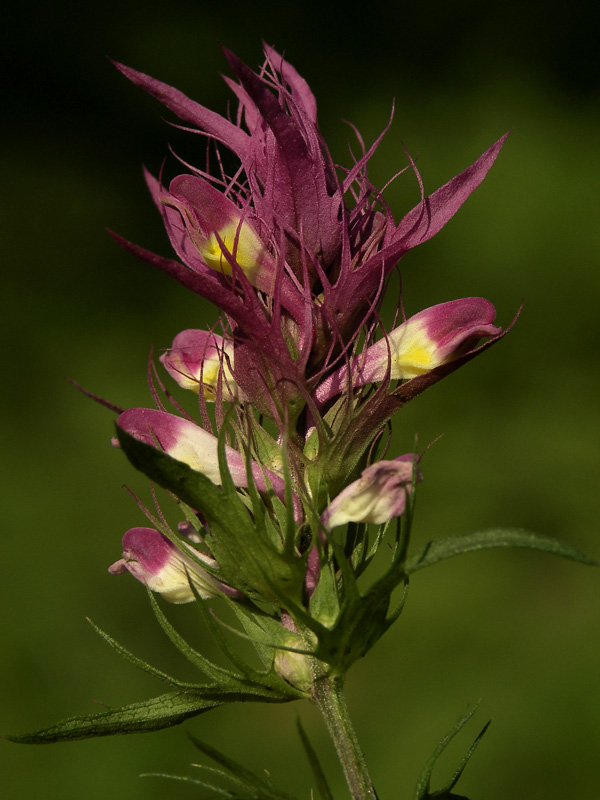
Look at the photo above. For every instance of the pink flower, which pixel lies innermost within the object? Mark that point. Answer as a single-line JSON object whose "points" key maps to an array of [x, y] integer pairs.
{"points": [[428, 339], [201, 358], [376, 497], [156, 562], [189, 443]]}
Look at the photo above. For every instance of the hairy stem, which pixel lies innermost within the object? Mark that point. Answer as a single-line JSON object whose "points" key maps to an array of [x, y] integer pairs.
{"points": [[328, 696]]}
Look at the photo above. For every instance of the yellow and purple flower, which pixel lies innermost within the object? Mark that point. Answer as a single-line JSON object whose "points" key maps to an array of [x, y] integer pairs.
{"points": [[425, 341], [201, 359]]}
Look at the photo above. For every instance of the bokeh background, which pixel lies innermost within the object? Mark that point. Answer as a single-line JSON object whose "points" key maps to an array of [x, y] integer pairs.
{"points": [[517, 629]]}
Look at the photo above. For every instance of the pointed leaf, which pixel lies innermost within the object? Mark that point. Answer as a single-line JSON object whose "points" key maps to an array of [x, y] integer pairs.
{"points": [[216, 629], [445, 792], [139, 663], [216, 790], [257, 787], [160, 712], [494, 537], [321, 781], [423, 784], [149, 715], [212, 671]]}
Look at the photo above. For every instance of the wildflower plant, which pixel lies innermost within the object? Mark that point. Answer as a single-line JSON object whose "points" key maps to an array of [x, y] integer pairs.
{"points": [[286, 488]]}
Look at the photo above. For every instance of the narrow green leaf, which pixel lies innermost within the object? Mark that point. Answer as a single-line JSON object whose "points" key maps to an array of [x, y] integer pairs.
{"points": [[485, 540], [153, 715], [258, 788], [422, 791], [149, 715], [461, 767], [320, 779], [290, 523], [227, 776], [380, 534], [393, 615], [216, 629], [216, 790], [212, 671], [139, 663]]}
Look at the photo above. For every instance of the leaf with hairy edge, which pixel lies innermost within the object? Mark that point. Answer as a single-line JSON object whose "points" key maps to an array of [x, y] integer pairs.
{"points": [[322, 786], [485, 540], [139, 663], [149, 715], [422, 791], [237, 774], [160, 712]]}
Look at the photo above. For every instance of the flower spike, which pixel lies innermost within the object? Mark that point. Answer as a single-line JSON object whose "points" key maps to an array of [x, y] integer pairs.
{"points": [[295, 252]]}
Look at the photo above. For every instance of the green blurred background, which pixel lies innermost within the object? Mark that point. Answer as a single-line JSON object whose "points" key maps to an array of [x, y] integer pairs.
{"points": [[517, 629]]}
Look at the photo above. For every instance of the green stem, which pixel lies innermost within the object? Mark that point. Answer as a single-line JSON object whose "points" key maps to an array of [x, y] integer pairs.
{"points": [[328, 696]]}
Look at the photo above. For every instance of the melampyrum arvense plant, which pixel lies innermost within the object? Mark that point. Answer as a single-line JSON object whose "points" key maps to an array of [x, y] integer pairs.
{"points": [[283, 477]]}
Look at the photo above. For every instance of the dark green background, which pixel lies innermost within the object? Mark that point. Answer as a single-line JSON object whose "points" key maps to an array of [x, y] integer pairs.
{"points": [[519, 630]]}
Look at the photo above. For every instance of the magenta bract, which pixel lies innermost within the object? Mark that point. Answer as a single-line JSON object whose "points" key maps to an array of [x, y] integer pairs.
{"points": [[293, 250]]}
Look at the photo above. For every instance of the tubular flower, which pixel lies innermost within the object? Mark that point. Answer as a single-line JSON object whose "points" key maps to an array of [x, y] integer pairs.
{"points": [[202, 359], [428, 339], [161, 566], [215, 228], [184, 441], [376, 497], [431, 338]]}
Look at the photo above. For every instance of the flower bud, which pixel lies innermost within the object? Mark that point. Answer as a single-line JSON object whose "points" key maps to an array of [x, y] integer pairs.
{"points": [[201, 358], [291, 666], [161, 566], [376, 497]]}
